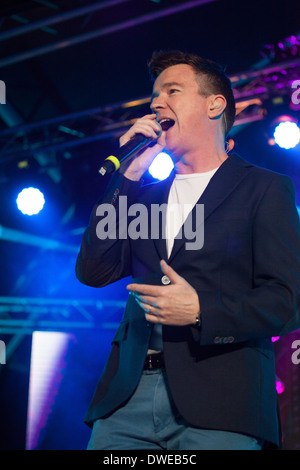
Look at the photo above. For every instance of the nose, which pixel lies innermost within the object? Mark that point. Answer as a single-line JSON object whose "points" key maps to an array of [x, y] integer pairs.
{"points": [[157, 103]]}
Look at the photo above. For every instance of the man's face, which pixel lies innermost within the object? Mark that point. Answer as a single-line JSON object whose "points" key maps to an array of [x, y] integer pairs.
{"points": [[176, 96]]}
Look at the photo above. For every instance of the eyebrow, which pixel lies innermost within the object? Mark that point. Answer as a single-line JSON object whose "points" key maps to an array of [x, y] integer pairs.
{"points": [[166, 85]]}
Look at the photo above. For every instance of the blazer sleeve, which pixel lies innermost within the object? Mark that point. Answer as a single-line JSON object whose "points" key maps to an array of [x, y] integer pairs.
{"points": [[104, 255], [272, 306]]}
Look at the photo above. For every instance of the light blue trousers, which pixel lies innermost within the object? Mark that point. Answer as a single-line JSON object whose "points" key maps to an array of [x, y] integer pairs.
{"points": [[149, 420]]}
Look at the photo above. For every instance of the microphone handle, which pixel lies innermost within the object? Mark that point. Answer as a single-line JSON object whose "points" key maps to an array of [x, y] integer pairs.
{"points": [[128, 150]]}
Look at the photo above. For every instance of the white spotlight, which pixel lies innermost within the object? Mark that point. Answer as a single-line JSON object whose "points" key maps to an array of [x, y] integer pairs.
{"points": [[30, 201], [161, 166], [287, 135]]}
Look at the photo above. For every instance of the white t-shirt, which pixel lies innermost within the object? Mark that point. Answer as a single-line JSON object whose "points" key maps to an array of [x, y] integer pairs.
{"points": [[184, 194]]}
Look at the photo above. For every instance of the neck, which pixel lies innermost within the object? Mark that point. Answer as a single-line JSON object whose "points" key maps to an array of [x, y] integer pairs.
{"points": [[201, 161]]}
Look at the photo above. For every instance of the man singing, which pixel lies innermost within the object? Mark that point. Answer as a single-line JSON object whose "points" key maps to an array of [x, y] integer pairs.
{"points": [[192, 364]]}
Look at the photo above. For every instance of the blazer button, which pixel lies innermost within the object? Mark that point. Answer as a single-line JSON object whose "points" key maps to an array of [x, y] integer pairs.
{"points": [[165, 280]]}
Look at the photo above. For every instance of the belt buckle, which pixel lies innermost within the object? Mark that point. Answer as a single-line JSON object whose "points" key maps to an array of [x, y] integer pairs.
{"points": [[152, 361]]}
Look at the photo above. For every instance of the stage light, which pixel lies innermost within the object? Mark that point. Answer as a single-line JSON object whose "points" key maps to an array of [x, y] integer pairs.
{"points": [[161, 166], [287, 134], [30, 201], [275, 338], [280, 387], [46, 367]]}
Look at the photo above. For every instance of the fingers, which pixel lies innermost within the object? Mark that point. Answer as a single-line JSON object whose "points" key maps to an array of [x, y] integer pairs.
{"points": [[146, 301], [152, 312], [145, 289], [147, 125], [149, 303], [148, 289]]}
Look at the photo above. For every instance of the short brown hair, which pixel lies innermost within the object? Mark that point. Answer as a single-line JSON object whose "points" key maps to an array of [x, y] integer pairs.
{"points": [[215, 79]]}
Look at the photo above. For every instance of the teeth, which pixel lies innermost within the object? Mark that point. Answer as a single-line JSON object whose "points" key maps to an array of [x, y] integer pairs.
{"points": [[166, 120], [166, 123]]}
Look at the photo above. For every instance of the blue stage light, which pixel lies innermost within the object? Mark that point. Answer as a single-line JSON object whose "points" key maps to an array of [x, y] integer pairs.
{"points": [[30, 201], [161, 166], [287, 134]]}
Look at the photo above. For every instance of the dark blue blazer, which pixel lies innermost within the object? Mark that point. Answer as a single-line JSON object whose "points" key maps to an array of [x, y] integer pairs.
{"points": [[247, 275]]}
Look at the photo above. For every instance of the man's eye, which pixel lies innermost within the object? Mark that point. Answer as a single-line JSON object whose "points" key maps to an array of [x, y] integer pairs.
{"points": [[173, 90]]}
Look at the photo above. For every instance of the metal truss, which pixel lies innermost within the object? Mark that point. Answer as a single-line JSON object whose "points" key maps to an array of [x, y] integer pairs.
{"points": [[21, 316], [270, 78], [253, 90], [25, 315], [152, 11], [69, 131]]}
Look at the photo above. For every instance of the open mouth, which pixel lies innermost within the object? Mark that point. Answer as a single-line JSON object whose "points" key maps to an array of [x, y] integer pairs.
{"points": [[166, 123]]}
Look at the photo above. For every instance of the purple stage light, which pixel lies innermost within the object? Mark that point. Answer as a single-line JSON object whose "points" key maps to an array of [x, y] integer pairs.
{"points": [[279, 386], [275, 338]]}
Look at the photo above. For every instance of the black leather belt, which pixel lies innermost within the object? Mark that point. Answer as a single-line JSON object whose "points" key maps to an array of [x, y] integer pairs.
{"points": [[154, 361]]}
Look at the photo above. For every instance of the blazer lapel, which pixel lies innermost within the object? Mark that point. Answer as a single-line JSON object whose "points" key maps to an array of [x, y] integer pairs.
{"points": [[221, 185]]}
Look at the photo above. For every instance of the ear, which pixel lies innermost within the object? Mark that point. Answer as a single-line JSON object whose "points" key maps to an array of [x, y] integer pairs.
{"points": [[216, 106]]}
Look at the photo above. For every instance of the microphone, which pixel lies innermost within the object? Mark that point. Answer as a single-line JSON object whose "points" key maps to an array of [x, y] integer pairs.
{"points": [[128, 150]]}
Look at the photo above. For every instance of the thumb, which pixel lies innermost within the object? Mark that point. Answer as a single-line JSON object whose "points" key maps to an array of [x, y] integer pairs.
{"points": [[172, 275]]}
